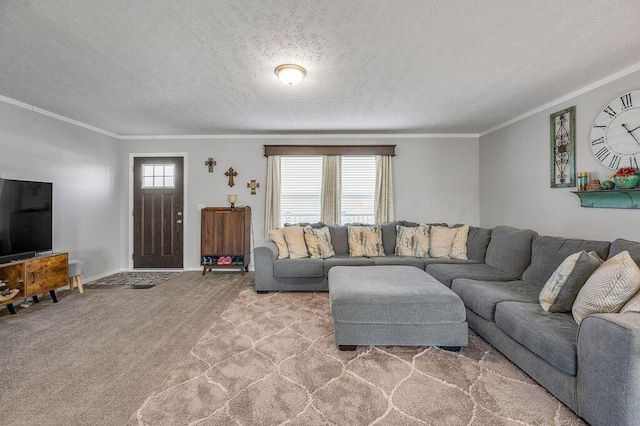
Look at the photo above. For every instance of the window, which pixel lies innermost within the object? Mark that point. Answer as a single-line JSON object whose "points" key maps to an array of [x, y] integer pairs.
{"points": [[158, 176], [358, 189], [301, 191]]}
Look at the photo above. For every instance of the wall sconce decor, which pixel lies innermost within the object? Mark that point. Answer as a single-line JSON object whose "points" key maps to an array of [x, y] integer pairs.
{"points": [[232, 199]]}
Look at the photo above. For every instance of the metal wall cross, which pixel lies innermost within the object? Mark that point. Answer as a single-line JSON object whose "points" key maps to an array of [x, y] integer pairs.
{"points": [[210, 162], [253, 185], [231, 174]]}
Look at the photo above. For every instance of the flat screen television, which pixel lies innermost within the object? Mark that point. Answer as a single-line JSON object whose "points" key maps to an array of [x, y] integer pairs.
{"points": [[26, 219]]}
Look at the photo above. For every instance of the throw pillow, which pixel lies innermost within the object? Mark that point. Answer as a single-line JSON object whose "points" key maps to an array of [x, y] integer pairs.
{"points": [[318, 242], [412, 241], [441, 241], [633, 305], [608, 288], [459, 245], [365, 241], [277, 236], [294, 236], [562, 287]]}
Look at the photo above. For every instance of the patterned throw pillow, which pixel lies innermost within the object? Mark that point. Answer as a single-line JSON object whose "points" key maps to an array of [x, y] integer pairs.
{"points": [[277, 236], [294, 236], [441, 241], [412, 240], [459, 245], [365, 241], [562, 287], [318, 242], [608, 288]]}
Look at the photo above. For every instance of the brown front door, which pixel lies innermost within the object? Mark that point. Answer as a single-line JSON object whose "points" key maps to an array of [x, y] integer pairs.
{"points": [[158, 212]]}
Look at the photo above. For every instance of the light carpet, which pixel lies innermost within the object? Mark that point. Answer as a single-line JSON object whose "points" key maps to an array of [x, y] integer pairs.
{"points": [[271, 359]]}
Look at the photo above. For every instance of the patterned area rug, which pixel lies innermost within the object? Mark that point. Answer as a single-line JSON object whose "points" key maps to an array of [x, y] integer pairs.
{"points": [[271, 359], [137, 280]]}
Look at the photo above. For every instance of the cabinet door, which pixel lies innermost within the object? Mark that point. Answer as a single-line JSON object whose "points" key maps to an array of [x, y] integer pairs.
{"points": [[46, 273], [234, 233]]}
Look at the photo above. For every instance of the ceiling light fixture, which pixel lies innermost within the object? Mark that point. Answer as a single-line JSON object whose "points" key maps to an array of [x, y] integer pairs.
{"points": [[290, 73]]}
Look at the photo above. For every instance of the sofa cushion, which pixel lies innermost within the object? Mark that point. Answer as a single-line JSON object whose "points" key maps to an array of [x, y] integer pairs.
{"points": [[551, 336], [437, 260], [477, 243], [510, 250], [365, 241], [561, 289], [345, 261], [294, 236], [459, 245], [440, 241], [447, 272], [481, 297], [399, 260], [277, 236], [318, 242], [298, 268], [412, 241], [389, 237], [339, 239], [609, 288], [620, 245], [547, 253]]}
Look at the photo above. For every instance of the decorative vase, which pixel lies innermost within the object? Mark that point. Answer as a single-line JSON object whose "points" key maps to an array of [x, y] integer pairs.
{"points": [[626, 182]]}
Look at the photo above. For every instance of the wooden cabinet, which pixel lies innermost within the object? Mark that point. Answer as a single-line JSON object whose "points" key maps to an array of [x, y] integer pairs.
{"points": [[34, 276], [225, 233]]}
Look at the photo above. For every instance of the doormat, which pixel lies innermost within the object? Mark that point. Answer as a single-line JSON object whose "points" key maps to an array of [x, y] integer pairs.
{"points": [[134, 280]]}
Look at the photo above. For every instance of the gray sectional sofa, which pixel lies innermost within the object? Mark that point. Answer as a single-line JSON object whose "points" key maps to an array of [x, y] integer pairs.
{"points": [[593, 368]]}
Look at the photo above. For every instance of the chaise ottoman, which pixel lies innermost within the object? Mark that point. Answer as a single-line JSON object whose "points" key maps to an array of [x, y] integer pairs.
{"points": [[394, 306]]}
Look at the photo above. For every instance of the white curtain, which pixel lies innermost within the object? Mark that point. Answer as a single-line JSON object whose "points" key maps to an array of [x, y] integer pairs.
{"points": [[272, 208], [331, 188], [384, 190]]}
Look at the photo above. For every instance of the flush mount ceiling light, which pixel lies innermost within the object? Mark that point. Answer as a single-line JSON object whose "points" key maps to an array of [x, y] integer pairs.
{"points": [[290, 73]]}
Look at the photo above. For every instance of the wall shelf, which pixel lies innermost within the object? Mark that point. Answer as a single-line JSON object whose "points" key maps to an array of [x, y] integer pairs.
{"points": [[613, 199]]}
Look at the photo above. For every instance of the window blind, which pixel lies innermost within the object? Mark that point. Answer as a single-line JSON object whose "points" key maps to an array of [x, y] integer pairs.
{"points": [[358, 189], [300, 189]]}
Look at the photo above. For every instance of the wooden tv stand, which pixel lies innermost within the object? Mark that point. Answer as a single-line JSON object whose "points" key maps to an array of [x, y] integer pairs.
{"points": [[34, 276]]}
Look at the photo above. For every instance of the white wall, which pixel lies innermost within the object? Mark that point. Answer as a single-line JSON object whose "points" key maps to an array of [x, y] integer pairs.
{"points": [[84, 168], [515, 175], [435, 179]]}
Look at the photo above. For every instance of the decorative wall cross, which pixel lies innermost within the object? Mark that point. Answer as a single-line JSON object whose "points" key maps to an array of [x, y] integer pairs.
{"points": [[210, 162], [231, 174], [253, 185]]}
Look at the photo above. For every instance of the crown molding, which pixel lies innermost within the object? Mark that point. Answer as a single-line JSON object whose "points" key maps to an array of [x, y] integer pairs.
{"points": [[308, 136], [599, 83], [56, 116]]}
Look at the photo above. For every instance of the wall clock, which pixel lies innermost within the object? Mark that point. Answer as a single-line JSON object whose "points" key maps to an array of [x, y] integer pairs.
{"points": [[615, 136]]}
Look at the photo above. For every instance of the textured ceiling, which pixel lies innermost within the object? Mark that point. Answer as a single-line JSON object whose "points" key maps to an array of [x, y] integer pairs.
{"points": [[374, 66]]}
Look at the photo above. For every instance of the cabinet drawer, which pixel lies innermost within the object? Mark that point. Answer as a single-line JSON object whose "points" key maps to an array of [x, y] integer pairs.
{"points": [[47, 273]]}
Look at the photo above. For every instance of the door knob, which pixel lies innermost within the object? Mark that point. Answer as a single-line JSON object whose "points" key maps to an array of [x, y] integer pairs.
{"points": [[179, 221]]}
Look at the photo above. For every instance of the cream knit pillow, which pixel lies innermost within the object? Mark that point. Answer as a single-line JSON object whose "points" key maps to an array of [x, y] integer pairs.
{"points": [[294, 236], [608, 288], [277, 236], [441, 241], [459, 245]]}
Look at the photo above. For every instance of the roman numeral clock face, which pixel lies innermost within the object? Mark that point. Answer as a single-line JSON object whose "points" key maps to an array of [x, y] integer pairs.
{"points": [[615, 136]]}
